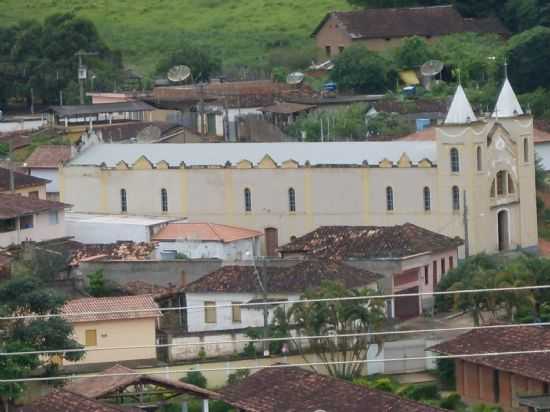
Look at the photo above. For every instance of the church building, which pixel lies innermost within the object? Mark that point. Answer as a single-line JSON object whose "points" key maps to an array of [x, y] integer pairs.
{"points": [[475, 181]]}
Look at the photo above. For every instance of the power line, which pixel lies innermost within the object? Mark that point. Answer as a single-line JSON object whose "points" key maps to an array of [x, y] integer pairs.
{"points": [[279, 339], [281, 302], [276, 366]]}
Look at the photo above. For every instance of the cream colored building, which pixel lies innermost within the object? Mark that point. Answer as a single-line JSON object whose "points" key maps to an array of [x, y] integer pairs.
{"points": [[289, 189], [125, 326]]}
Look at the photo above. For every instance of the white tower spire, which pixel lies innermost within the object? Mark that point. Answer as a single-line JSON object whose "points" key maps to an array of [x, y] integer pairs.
{"points": [[507, 103], [460, 111]]}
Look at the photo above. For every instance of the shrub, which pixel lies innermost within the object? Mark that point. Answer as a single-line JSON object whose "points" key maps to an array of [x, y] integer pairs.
{"points": [[195, 378], [238, 376], [446, 372], [425, 391], [451, 402]]}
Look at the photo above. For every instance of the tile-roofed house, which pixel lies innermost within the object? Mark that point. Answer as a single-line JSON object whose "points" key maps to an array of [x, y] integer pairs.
{"points": [[48, 156], [500, 379], [381, 28], [123, 377], [112, 322], [413, 259], [207, 240], [60, 400], [308, 274], [25, 218], [292, 389], [542, 141], [23, 183]]}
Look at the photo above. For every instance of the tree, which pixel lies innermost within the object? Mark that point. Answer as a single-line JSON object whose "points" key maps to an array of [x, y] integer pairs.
{"points": [[413, 52], [528, 54], [195, 378], [202, 63], [338, 318], [27, 295], [362, 71]]}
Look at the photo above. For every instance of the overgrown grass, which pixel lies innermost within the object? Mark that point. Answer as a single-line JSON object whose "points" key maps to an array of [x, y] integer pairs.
{"points": [[241, 31]]}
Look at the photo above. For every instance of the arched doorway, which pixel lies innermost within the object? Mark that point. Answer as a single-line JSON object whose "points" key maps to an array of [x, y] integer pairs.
{"points": [[271, 241], [503, 230]]}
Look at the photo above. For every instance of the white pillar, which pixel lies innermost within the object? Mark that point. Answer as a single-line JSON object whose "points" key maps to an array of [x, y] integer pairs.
{"points": [[205, 405], [184, 406]]}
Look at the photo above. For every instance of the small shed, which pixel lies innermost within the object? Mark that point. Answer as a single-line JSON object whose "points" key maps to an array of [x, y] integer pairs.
{"points": [[284, 113]]}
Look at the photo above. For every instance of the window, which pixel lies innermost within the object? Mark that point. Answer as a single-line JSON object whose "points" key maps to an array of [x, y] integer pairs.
{"points": [[427, 199], [7, 225], [479, 159], [123, 201], [525, 150], [434, 274], [247, 200], [209, 312], [33, 194], [164, 200], [451, 263], [443, 266], [426, 274], [53, 217], [341, 49], [236, 312], [510, 184], [455, 160], [327, 51], [501, 183], [456, 198], [90, 337], [389, 198], [291, 200], [26, 222]]}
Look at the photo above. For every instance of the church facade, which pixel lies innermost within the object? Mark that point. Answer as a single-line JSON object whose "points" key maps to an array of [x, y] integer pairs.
{"points": [[476, 181]]}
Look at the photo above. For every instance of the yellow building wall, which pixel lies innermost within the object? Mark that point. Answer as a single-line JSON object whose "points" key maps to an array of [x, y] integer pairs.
{"points": [[113, 333]]}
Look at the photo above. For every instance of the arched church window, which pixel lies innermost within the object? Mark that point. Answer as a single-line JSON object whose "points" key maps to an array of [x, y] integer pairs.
{"points": [[389, 198], [455, 160], [247, 200], [427, 199], [501, 183], [456, 198]]}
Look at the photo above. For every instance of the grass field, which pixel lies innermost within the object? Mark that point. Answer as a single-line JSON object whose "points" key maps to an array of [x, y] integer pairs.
{"points": [[240, 31]]}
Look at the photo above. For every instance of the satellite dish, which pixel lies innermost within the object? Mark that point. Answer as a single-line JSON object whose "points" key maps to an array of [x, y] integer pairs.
{"points": [[295, 78], [431, 68], [178, 73]]}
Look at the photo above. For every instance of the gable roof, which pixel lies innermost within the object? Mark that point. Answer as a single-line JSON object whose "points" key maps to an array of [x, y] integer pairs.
{"points": [[370, 242], [120, 307], [375, 23], [207, 154], [461, 111], [21, 180], [295, 279], [60, 400], [204, 232], [48, 156], [524, 338], [122, 377], [292, 389], [12, 206]]}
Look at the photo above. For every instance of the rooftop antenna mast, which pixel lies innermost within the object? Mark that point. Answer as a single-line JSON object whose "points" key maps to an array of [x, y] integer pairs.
{"points": [[83, 71]]}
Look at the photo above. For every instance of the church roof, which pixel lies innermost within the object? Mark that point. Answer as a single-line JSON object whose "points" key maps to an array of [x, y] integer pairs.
{"points": [[507, 103], [461, 111], [219, 154]]}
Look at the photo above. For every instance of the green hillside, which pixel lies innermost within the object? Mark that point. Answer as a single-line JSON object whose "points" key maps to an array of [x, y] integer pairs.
{"points": [[240, 31]]}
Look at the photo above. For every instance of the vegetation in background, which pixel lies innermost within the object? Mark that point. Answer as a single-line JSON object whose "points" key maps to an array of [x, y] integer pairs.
{"points": [[414, 52], [200, 60], [238, 376], [195, 378]]}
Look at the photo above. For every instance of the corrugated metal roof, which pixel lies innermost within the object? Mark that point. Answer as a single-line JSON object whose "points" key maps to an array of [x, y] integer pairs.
{"points": [[86, 109], [211, 154]]}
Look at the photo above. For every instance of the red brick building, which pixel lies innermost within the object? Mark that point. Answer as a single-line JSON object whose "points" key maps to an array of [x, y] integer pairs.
{"points": [[500, 380]]}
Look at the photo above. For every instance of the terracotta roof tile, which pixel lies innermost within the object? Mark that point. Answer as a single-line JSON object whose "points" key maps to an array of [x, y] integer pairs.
{"points": [[205, 232], [295, 279], [291, 389], [105, 385], [21, 180], [17, 205], [370, 242], [48, 156], [121, 304], [59, 400], [536, 366], [111, 251]]}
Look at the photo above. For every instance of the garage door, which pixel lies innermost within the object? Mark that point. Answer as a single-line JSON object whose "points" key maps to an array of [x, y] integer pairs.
{"points": [[408, 306]]}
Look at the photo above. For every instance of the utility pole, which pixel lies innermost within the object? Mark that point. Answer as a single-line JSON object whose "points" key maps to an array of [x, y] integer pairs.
{"points": [[263, 287], [82, 71], [466, 234]]}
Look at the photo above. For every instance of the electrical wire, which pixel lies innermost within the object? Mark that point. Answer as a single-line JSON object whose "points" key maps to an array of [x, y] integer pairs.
{"points": [[277, 366], [276, 303], [279, 339]]}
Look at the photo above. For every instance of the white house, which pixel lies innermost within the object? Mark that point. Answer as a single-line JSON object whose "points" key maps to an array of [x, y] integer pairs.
{"points": [[102, 229], [43, 163], [207, 240], [24, 218]]}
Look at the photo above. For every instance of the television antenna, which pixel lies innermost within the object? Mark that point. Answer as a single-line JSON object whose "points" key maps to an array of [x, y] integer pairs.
{"points": [[295, 78], [429, 70], [178, 73]]}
